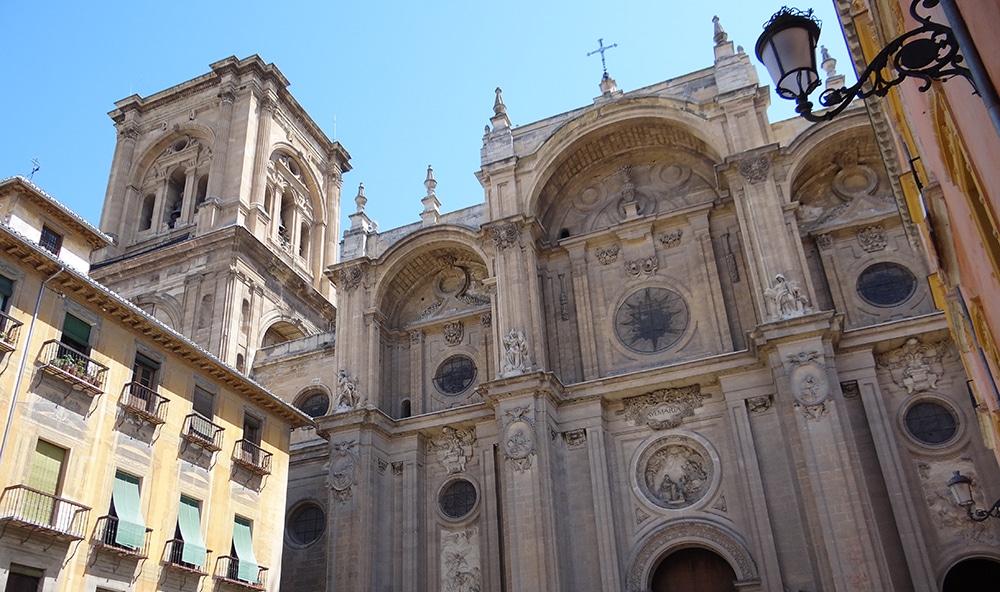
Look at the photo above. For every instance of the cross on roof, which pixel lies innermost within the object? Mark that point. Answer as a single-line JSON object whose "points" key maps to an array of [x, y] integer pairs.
{"points": [[601, 48]]}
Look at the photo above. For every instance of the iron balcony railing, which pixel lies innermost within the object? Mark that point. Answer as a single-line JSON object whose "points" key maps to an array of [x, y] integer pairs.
{"points": [[145, 402], [66, 363], [202, 432], [106, 535], [174, 557], [252, 457], [9, 332], [23, 506], [227, 569]]}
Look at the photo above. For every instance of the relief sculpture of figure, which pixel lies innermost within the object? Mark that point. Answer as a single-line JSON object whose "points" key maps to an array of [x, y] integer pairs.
{"points": [[515, 352], [347, 392], [787, 297]]}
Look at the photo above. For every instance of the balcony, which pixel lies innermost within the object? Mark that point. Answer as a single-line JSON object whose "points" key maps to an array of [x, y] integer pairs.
{"points": [[252, 457], [47, 514], [202, 432], [144, 402], [227, 570], [106, 539], [69, 365], [173, 559], [9, 332]]}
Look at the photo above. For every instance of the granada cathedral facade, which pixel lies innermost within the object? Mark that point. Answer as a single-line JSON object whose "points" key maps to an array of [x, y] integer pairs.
{"points": [[676, 347]]}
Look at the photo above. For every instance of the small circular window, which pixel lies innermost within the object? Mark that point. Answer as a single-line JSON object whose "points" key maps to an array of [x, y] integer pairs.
{"points": [[454, 375], [931, 423], [651, 320], [306, 524], [458, 499], [315, 405], [886, 284]]}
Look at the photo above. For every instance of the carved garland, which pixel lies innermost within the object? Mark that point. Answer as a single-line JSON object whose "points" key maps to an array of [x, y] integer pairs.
{"points": [[664, 409]]}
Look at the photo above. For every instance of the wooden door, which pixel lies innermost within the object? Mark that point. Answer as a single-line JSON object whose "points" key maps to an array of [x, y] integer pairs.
{"points": [[693, 570]]}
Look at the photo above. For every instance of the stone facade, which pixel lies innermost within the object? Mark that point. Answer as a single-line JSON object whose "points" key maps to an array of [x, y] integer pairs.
{"points": [[672, 325]]}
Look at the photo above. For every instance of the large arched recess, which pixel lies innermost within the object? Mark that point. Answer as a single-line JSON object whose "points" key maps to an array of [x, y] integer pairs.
{"points": [[140, 166], [308, 178], [614, 133], [817, 141], [411, 262]]}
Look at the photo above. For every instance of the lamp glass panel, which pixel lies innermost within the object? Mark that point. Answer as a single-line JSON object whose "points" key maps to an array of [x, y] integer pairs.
{"points": [[795, 49]]}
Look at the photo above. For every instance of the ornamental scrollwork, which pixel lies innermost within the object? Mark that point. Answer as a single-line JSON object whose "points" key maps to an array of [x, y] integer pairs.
{"points": [[505, 236], [664, 409], [754, 169]]}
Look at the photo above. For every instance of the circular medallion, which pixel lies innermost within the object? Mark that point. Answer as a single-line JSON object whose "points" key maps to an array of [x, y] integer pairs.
{"points": [[674, 472], [810, 384], [651, 320], [454, 375], [519, 442]]}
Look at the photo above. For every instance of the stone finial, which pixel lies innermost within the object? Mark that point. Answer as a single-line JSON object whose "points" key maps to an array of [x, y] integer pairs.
{"points": [[498, 105], [499, 119], [608, 85], [361, 199], [720, 35], [430, 183], [829, 64], [431, 203]]}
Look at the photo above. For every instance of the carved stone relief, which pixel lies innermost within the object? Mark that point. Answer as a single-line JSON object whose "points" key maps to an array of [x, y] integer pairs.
{"points": [[664, 409], [515, 353], [347, 392], [343, 468], [453, 332], [720, 504], [460, 561], [872, 238], [824, 241], [397, 468], [640, 515], [642, 267], [382, 464], [486, 319], [786, 298], [731, 266], [949, 518], [674, 471], [455, 448], [575, 439], [671, 239], [608, 255], [505, 236], [850, 389], [754, 169], [916, 366], [758, 405], [810, 384], [518, 432], [350, 277]]}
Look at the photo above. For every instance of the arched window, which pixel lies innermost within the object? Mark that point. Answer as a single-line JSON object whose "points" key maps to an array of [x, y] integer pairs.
{"points": [[146, 215], [245, 317], [405, 409], [285, 219], [304, 241], [205, 312], [202, 190], [175, 197]]}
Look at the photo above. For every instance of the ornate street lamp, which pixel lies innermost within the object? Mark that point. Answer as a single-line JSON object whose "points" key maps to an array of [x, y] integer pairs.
{"points": [[787, 48], [961, 489]]}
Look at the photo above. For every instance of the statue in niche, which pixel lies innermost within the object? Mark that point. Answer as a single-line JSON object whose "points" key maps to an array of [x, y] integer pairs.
{"points": [[787, 297], [515, 352], [347, 392]]}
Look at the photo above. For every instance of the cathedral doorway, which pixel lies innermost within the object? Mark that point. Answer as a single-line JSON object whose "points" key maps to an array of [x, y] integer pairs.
{"points": [[972, 575], [693, 570]]}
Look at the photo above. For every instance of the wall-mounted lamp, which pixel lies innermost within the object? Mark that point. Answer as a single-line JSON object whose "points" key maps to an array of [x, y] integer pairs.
{"points": [[787, 48], [961, 489]]}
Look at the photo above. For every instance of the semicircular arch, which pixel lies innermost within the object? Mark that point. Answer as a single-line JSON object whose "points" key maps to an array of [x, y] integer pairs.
{"points": [[307, 176], [151, 154], [679, 534]]}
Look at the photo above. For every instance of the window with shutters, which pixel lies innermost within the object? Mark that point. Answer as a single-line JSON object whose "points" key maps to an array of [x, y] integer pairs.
{"points": [[76, 334], [188, 546]]}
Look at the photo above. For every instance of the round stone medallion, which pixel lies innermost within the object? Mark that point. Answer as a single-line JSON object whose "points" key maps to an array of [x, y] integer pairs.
{"points": [[651, 320], [675, 472]]}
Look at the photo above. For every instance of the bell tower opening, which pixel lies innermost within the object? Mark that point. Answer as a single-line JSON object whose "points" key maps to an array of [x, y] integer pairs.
{"points": [[693, 570], [972, 575]]}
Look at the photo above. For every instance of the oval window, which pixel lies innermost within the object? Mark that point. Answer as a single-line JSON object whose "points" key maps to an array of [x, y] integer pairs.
{"points": [[931, 423], [458, 499], [306, 524], [454, 375], [886, 284]]}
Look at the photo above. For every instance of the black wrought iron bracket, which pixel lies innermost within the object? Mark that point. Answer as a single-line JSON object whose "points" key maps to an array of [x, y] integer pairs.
{"points": [[929, 52], [981, 515]]}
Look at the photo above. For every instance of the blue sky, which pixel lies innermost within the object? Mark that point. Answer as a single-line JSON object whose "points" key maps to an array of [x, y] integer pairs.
{"points": [[408, 84]]}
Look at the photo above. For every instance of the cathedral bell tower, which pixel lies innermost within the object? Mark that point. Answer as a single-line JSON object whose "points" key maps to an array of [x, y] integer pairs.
{"points": [[224, 202]]}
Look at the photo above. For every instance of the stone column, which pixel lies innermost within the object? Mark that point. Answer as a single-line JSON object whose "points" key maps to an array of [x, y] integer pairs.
{"points": [[804, 374], [517, 313], [604, 506], [416, 372], [266, 105], [584, 311], [527, 500], [116, 200]]}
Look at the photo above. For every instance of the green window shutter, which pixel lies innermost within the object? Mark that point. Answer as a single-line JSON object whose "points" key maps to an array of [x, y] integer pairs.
{"points": [[204, 403], [146, 361], [131, 531], [189, 521], [46, 468], [6, 286], [77, 330], [243, 543]]}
